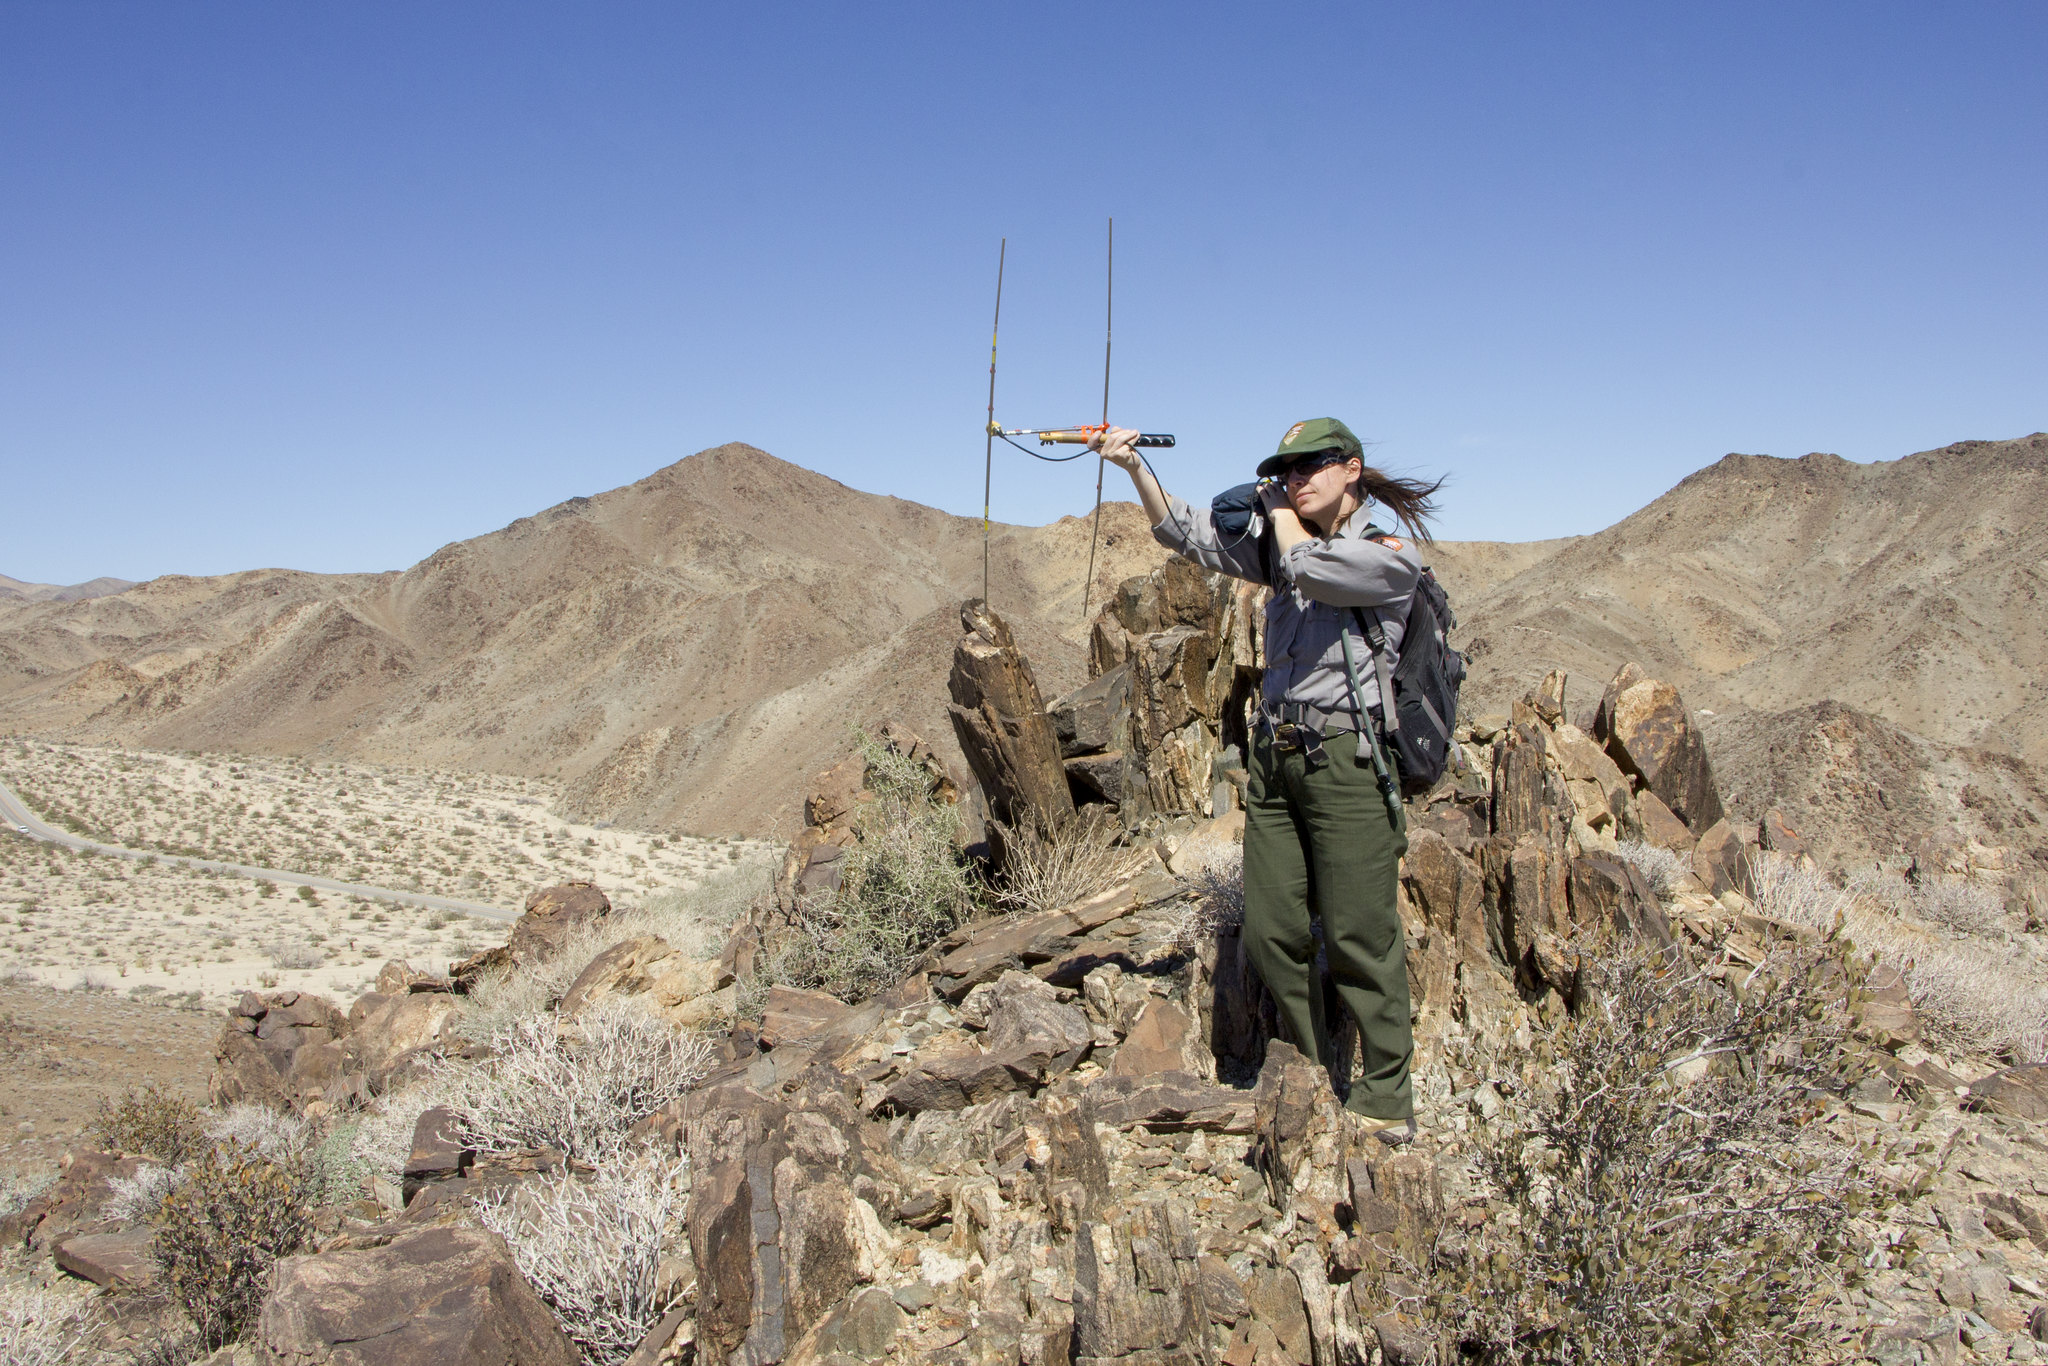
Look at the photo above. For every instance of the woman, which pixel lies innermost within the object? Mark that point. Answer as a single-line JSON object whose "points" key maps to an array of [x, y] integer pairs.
{"points": [[1319, 840]]}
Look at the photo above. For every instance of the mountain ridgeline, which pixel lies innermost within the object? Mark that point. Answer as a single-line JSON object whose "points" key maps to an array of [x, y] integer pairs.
{"points": [[687, 650]]}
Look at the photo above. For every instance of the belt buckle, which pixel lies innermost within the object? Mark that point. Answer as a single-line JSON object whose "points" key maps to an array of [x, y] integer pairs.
{"points": [[1287, 736]]}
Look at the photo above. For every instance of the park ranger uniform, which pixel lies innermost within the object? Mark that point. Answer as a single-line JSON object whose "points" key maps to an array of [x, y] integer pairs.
{"points": [[1319, 841]]}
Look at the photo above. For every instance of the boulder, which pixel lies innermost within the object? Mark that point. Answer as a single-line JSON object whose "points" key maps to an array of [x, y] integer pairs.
{"points": [[1093, 717], [1721, 861], [1521, 797], [1612, 893], [75, 1204], [627, 968], [1104, 777], [1137, 1285], [1173, 1102], [1659, 826], [1650, 734], [1776, 834], [2021, 1092], [398, 1028], [439, 1151], [777, 1235], [791, 1013], [123, 1260], [835, 792], [1162, 1039], [436, 1297], [552, 916]]}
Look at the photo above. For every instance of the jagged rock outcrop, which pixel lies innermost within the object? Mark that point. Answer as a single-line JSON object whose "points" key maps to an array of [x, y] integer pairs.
{"points": [[1001, 722], [281, 1048], [1161, 724]]}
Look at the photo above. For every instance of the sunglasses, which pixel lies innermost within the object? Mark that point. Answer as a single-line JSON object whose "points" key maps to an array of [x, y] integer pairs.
{"points": [[1310, 465]]}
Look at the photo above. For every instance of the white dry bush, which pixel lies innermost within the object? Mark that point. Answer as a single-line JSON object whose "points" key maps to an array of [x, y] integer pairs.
{"points": [[1978, 994], [40, 1327], [693, 920], [1659, 866], [271, 1133], [575, 1086], [137, 1198], [1954, 903], [293, 954], [1048, 864], [323, 1157], [17, 1191], [592, 1246], [1218, 905]]}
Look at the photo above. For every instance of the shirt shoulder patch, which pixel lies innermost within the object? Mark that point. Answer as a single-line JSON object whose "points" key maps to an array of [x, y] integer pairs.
{"points": [[1392, 542]]}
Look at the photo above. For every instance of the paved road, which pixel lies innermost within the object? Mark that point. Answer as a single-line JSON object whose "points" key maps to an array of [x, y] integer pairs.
{"points": [[14, 813]]}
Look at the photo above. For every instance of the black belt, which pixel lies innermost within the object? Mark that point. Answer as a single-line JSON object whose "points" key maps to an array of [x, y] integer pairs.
{"points": [[1298, 725]]}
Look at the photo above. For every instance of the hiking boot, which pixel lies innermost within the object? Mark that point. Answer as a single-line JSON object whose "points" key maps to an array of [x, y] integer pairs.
{"points": [[1395, 1133]]}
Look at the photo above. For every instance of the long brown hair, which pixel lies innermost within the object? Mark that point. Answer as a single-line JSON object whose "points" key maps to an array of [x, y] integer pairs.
{"points": [[1412, 501]]}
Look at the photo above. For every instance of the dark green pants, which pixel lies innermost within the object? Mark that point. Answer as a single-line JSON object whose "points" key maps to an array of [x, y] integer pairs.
{"points": [[1318, 844]]}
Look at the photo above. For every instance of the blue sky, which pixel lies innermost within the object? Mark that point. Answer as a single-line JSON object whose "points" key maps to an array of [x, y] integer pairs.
{"points": [[328, 286]]}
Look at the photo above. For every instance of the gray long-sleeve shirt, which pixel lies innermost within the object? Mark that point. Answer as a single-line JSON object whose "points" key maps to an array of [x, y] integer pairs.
{"points": [[1314, 587]]}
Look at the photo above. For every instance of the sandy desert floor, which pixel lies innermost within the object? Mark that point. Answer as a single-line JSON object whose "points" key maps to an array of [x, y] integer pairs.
{"points": [[71, 919]]}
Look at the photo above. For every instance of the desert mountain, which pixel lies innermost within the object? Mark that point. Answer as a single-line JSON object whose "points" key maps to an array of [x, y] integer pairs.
{"points": [[688, 649], [684, 651], [14, 590], [1868, 638], [1912, 589]]}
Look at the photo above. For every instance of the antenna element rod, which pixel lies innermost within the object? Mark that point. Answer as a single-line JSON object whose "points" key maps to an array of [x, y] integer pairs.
{"points": [[988, 454], [1108, 335]]}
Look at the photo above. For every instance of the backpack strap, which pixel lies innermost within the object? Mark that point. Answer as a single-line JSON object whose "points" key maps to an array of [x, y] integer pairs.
{"points": [[1368, 734], [1376, 636]]}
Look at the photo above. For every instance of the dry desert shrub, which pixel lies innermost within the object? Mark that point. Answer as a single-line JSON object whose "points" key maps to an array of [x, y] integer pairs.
{"points": [[219, 1232], [592, 1246], [17, 1191], [1975, 993], [575, 1086], [1662, 868], [905, 885], [1673, 1197], [40, 1327], [1050, 864], [1954, 903], [149, 1120], [140, 1198], [293, 954], [1218, 906]]}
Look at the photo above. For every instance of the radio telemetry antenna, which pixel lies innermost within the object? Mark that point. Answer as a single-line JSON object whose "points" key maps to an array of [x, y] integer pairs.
{"points": [[1055, 436]]}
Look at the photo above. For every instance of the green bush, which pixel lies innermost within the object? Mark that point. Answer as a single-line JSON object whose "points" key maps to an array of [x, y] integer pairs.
{"points": [[221, 1230], [149, 1120], [904, 886], [1672, 1197]]}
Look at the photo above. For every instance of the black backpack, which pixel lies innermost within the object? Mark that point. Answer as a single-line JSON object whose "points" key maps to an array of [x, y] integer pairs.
{"points": [[1424, 682]]}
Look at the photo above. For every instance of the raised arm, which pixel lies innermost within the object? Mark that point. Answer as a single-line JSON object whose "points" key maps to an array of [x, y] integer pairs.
{"points": [[1187, 531]]}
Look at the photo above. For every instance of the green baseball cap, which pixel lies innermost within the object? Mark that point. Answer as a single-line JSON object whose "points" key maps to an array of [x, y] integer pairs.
{"points": [[1308, 438]]}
